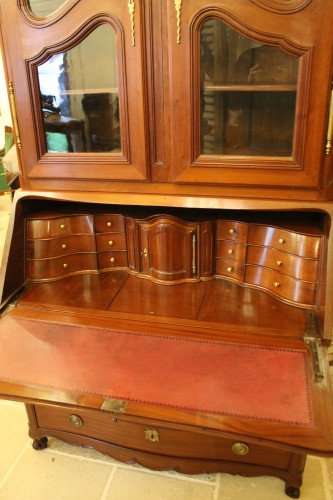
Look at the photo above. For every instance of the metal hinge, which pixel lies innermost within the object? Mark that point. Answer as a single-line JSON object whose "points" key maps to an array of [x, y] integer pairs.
{"points": [[313, 342]]}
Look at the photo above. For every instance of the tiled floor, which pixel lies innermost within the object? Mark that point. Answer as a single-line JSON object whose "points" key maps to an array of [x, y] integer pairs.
{"points": [[63, 472]]}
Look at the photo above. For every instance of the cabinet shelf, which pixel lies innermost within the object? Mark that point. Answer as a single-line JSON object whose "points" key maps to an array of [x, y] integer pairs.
{"points": [[250, 88], [111, 90]]}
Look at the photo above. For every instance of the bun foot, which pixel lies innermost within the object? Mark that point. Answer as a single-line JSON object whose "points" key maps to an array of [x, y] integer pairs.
{"points": [[40, 444], [293, 491]]}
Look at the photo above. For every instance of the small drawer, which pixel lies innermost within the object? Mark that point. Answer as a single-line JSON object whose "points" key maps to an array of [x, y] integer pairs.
{"points": [[154, 437], [113, 223], [286, 241], [60, 226], [290, 289], [112, 259], [288, 264], [230, 250], [44, 249], [231, 230], [111, 241], [229, 268], [44, 269]]}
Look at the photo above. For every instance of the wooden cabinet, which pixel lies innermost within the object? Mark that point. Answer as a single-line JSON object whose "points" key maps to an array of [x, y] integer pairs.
{"points": [[177, 189], [221, 96]]}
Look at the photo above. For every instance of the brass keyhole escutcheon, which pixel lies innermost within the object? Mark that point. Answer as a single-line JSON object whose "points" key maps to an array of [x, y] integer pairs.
{"points": [[76, 420], [152, 435], [240, 448], [145, 253]]}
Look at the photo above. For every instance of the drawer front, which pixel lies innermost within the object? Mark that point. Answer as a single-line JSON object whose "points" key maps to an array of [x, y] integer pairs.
{"points": [[230, 250], [286, 241], [156, 439], [229, 268], [110, 223], [231, 230], [302, 292], [291, 265], [60, 226], [43, 249], [112, 259], [61, 266], [111, 241]]}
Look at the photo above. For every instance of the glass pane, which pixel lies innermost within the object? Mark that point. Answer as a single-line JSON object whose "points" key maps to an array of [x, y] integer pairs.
{"points": [[42, 8], [79, 96], [248, 94]]}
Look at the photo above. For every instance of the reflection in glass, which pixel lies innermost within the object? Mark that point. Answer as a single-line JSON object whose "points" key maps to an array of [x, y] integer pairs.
{"points": [[42, 8], [248, 94], [79, 96]]}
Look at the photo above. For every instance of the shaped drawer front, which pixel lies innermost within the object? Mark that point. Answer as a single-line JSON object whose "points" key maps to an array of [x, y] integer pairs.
{"points": [[110, 241], [112, 259], [229, 268], [288, 264], [231, 230], [149, 437], [55, 247], [54, 227], [61, 266], [290, 289], [230, 250], [114, 223], [287, 241]]}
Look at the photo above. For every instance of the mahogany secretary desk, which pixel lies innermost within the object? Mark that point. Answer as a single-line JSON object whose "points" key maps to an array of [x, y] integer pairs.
{"points": [[167, 278]]}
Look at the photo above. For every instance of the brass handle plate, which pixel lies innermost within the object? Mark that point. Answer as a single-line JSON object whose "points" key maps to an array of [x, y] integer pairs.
{"points": [[76, 420], [240, 448]]}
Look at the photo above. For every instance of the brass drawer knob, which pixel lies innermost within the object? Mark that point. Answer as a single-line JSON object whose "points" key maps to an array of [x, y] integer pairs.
{"points": [[152, 435], [65, 265], [232, 231], [64, 246], [109, 224], [230, 252], [110, 243], [276, 284], [112, 260], [76, 420], [282, 240], [279, 262], [62, 226], [230, 269], [240, 448]]}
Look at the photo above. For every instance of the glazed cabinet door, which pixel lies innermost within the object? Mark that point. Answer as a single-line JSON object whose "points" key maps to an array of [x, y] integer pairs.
{"points": [[76, 82], [245, 87]]}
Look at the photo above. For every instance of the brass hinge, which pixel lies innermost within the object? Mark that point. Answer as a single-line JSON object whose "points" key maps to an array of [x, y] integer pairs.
{"points": [[114, 405], [15, 122], [313, 342]]}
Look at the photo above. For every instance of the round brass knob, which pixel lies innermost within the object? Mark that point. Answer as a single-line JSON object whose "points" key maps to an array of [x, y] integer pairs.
{"points": [[279, 262], [62, 226], [240, 448], [109, 224], [281, 240], [230, 252], [64, 246], [65, 265], [76, 420], [110, 243], [112, 260], [230, 269], [276, 284], [232, 231]]}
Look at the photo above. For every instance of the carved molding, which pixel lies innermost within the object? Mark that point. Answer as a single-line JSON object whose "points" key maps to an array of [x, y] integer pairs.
{"points": [[283, 6]]}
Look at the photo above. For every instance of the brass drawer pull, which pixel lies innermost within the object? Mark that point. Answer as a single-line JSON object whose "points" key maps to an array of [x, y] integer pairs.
{"points": [[230, 252], [112, 260], [276, 284], [240, 448], [110, 243], [62, 226], [65, 266], [64, 246], [152, 435], [76, 420], [230, 269], [279, 262], [232, 231], [282, 240], [109, 224]]}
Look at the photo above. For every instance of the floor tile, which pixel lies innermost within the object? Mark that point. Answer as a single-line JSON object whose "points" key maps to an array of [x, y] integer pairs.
{"points": [[13, 433]]}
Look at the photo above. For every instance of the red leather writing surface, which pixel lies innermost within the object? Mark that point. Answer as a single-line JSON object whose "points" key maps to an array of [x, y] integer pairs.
{"points": [[208, 376]]}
